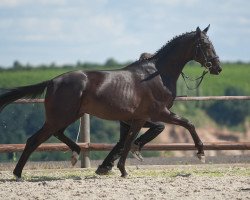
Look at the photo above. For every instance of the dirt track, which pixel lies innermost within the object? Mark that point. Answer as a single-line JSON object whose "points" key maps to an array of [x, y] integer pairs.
{"points": [[145, 182]]}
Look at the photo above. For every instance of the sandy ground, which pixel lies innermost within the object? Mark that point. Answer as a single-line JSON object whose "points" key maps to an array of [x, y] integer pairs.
{"points": [[210, 181]]}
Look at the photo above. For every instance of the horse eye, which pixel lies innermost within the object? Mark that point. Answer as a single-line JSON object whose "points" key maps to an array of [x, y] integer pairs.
{"points": [[207, 45]]}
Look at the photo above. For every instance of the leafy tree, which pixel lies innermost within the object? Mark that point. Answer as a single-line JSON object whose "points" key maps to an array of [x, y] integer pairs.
{"points": [[111, 62], [17, 65]]}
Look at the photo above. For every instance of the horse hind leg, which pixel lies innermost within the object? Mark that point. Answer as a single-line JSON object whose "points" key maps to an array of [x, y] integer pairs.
{"points": [[172, 118], [71, 144], [191, 128], [32, 143]]}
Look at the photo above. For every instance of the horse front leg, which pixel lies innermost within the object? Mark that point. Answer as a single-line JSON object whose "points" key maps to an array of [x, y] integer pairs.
{"points": [[115, 153], [172, 118], [134, 130]]}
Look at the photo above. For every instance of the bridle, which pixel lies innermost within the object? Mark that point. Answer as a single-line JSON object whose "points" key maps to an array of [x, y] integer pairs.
{"points": [[207, 65]]}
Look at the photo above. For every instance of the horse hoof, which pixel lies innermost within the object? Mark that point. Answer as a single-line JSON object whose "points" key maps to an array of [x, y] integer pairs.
{"points": [[124, 175], [103, 170], [74, 158], [137, 155], [135, 150], [201, 157], [18, 179]]}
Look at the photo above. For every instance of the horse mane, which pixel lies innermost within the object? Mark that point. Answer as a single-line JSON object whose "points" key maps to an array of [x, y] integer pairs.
{"points": [[165, 48], [170, 44]]}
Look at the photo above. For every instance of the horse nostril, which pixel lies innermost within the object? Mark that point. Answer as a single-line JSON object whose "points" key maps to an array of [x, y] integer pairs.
{"points": [[219, 69]]}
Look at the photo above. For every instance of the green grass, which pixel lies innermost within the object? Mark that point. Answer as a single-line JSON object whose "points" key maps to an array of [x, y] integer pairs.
{"points": [[233, 75], [186, 171], [14, 78]]}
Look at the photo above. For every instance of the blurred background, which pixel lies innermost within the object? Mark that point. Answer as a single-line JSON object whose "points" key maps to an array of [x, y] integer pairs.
{"points": [[42, 39]]}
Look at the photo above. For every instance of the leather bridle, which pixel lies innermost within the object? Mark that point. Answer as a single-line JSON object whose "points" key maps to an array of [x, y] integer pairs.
{"points": [[207, 64]]}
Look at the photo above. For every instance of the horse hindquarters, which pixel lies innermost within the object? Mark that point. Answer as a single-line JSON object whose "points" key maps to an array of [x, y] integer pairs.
{"points": [[62, 104], [63, 99]]}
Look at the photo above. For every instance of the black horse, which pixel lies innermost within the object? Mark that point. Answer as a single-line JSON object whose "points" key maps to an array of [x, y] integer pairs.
{"points": [[142, 91], [155, 128]]}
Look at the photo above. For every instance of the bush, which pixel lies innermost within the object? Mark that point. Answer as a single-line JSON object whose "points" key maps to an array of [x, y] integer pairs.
{"points": [[229, 113]]}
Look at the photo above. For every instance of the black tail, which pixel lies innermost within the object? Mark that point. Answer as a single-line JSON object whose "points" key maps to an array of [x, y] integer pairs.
{"points": [[30, 91]]}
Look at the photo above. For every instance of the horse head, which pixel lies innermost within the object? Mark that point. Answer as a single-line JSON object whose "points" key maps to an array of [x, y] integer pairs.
{"points": [[205, 53]]}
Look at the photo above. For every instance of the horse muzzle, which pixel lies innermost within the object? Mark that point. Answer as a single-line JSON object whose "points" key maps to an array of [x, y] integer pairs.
{"points": [[215, 69]]}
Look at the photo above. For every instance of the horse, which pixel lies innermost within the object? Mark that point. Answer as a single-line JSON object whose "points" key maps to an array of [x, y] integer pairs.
{"points": [[115, 153], [142, 91]]}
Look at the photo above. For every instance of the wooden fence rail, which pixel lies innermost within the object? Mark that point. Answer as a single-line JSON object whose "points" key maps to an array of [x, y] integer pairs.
{"points": [[179, 98], [6, 148]]}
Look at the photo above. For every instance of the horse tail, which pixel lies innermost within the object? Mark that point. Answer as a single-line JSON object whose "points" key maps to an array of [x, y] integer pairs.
{"points": [[30, 91]]}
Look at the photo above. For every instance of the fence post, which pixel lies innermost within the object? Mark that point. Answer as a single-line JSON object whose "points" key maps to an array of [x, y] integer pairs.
{"points": [[85, 138]]}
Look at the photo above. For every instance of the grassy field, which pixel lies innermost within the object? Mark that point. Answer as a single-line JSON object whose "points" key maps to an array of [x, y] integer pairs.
{"points": [[233, 75], [13, 78]]}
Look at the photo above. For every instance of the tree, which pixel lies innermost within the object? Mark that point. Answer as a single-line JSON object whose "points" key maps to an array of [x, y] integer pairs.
{"points": [[17, 65], [111, 62]]}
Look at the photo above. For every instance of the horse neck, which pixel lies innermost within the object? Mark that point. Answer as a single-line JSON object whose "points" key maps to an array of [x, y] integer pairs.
{"points": [[171, 63]]}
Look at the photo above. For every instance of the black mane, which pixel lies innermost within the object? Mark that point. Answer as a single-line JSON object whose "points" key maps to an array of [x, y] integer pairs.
{"points": [[170, 44]]}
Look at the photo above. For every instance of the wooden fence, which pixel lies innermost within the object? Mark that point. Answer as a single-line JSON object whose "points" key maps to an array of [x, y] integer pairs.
{"points": [[6, 148], [86, 146]]}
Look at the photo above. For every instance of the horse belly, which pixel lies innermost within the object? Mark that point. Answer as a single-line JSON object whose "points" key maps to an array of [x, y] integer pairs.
{"points": [[113, 105], [108, 110]]}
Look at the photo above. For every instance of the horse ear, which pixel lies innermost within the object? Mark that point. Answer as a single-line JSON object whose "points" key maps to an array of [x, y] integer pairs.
{"points": [[198, 31], [206, 29]]}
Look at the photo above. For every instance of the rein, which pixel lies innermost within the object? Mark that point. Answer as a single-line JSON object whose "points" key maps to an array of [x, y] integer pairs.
{"points": [[200, 78]]}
